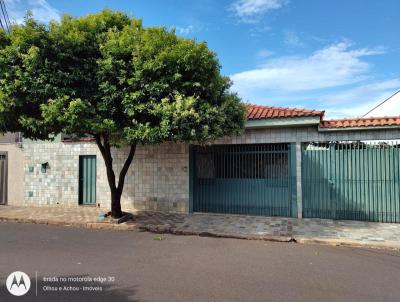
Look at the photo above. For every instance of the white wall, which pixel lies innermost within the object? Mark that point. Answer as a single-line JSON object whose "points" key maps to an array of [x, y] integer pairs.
{"points": [[389, 108]]}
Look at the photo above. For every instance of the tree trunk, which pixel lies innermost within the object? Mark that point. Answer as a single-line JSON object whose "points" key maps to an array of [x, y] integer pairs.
{"points": [[116, 211], [103, 143]]}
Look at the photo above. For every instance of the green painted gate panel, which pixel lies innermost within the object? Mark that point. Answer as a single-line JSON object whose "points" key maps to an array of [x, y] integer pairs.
{"points": [[87, 179], [243, 179], [351, 181]]}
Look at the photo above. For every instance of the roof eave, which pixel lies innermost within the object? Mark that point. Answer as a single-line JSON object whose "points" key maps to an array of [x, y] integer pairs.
{"points": [[326, 129], [283, 122]]}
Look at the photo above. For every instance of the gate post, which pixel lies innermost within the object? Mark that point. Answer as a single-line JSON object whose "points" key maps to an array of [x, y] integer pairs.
{"points": [[298, 181], [191, 178]]}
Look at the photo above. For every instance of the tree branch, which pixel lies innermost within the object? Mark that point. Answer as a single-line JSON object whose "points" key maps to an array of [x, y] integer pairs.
{"points": [[98, 142], [125, 168], [105, 151]]}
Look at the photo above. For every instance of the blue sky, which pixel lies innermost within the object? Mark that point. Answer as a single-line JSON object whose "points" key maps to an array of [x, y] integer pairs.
{"points": [[342, 56]]}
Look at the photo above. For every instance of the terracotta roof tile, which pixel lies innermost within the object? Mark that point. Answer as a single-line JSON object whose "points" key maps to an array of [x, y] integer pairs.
{"points": [[257, 112], [362, 122]]}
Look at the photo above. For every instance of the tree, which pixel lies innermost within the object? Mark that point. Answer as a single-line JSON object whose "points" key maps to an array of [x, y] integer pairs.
{"points": [[107, 76]]}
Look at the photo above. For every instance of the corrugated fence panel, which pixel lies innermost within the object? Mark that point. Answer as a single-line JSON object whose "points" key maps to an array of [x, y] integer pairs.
{"points": [[242, 179], [357, 181]]}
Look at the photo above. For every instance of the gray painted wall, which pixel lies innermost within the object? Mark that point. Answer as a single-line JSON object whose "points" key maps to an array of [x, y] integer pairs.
{"points": [[10, 138], [15, 182]]}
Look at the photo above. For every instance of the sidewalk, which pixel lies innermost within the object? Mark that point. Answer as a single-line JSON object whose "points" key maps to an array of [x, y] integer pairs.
{"points": [[323, 231]]}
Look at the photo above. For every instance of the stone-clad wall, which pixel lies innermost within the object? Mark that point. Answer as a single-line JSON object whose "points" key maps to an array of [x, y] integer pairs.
{"points": [[157, 179], [159, 176], [60, 183]]}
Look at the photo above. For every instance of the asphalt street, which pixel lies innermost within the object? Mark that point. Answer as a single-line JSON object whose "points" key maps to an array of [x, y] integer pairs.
{"points": [[75, 264]]}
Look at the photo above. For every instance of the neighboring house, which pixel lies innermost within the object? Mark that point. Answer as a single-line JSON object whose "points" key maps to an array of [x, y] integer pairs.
{"points": [[11, 169], [271, 169], [389, 107]]}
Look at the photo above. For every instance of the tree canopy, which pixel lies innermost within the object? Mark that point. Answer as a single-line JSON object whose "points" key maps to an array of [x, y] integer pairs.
{"points": [[107, 76]]}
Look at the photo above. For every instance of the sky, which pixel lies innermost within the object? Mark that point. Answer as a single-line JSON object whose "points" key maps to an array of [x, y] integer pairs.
{"points": [[341, 56]]}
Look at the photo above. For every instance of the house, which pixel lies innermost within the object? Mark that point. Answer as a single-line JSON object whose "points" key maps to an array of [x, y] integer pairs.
{"points": [[389, 107], [11, 169], [288, 162]]}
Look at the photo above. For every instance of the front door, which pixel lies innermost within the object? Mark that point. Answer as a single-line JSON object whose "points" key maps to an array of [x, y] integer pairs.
{"points": [[87, 179], [3, 178]]}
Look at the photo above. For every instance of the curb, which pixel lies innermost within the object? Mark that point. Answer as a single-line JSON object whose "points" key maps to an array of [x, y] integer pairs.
{"points": [[388, 245], [177, 231], [86, 225]]}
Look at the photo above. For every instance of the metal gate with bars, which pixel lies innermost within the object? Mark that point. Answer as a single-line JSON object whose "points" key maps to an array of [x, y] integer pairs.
{"points": [[242, 179], [357, 181]]}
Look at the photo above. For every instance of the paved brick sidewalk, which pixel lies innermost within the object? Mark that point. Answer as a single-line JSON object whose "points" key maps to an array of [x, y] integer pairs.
{"points": [[339, 232]]}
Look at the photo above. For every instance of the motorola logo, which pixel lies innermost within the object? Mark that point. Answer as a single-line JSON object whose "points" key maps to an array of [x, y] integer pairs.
{"points": [[18, 283]]}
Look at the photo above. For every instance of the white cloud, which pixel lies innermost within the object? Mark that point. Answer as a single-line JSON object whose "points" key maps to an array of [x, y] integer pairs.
{"points": [[332, 66], [250, 11], [259, 30], [336, 78], [371, 92], [184, 31], [292, 39], [357, 101], [264, 53], [42, 11]]}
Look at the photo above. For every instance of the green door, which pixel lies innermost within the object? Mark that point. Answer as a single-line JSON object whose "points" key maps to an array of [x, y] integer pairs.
{"points": [[87, 179], [251, 179]]}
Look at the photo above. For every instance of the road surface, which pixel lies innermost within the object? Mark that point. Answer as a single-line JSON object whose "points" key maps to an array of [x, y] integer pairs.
{"points": [[75, 264]]}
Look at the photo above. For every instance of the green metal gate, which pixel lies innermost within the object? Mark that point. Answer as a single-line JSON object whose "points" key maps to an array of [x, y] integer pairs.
{"points": [[357, 181], [242, 179], [87, 179]]}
